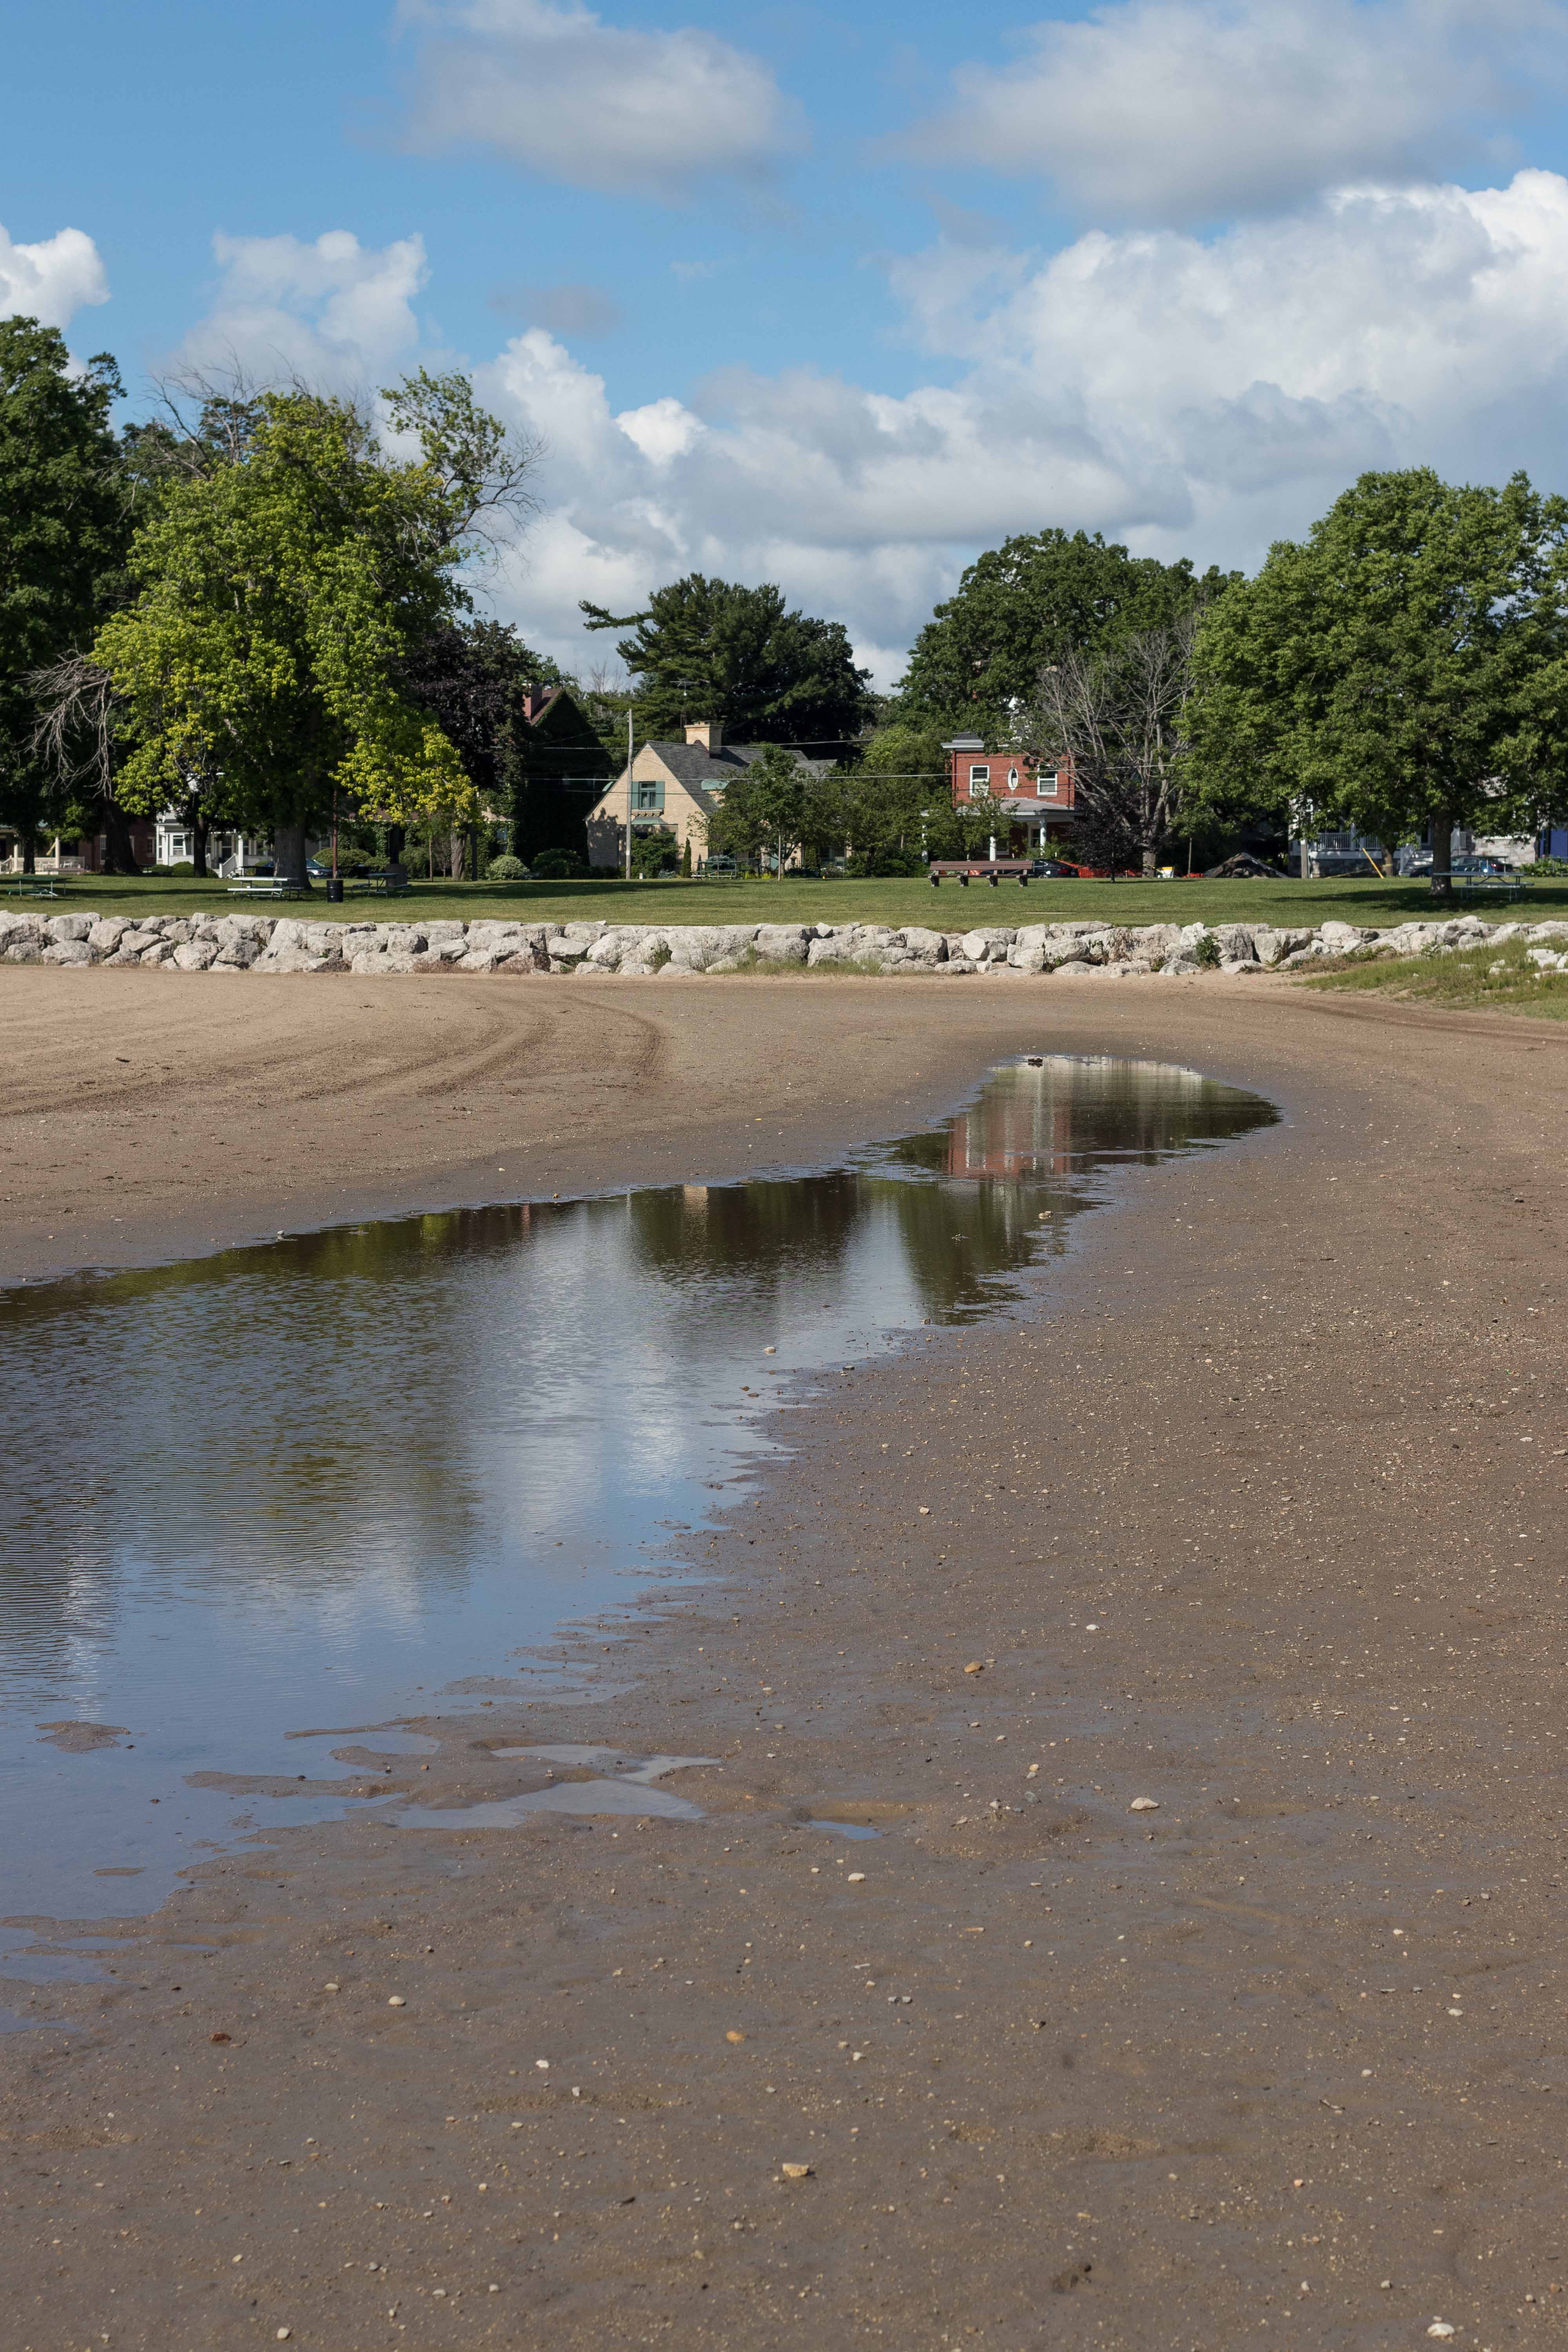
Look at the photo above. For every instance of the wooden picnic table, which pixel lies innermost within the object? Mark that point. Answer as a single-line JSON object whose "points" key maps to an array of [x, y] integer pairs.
{"points": [[265, 886], [30, 886], [388, 885]]}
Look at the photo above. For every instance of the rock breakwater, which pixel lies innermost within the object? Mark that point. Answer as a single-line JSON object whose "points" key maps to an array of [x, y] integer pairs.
{"points": [[291, 943]]}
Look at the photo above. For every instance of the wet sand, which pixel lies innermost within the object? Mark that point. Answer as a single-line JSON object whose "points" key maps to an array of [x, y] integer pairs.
{"points": [[1261, 1521]]}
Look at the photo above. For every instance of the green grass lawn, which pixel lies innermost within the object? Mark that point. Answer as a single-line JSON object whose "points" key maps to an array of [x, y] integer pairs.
{"points": [[1499, 979], [950, 909]]}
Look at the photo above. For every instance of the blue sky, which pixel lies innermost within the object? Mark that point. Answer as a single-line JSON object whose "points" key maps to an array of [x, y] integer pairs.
{"points": [[835, 300]]}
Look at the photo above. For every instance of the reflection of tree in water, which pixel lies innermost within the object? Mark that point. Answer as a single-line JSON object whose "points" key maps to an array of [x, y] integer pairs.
{"points": [[338, 1404], [758, 1233], [1006, 1175], [272, 1415]]}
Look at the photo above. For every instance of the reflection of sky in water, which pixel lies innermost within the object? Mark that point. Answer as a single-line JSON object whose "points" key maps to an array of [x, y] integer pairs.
{"points": [[308, 1484]]}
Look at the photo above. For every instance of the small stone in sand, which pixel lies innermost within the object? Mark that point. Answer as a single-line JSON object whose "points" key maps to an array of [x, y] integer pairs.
{"points": [[855, 1878], [543, 2064], [1144, 1805], [975, 1666], [395, 2001], [733, 2036], [796, 2172], [332, 1988]]}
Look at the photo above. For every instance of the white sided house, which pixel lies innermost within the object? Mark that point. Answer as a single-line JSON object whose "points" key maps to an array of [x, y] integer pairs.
{"points": [[672, 788]]}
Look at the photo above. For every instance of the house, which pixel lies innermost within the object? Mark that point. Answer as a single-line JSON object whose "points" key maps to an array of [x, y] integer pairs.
{"points": [[1032, 803], [673, 787], [559, 770]]}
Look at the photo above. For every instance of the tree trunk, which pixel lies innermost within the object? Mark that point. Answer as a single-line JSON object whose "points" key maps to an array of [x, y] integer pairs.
{"points": [[118, 857], [1149, 866], [29, 851], [200, 829], [396, 836], [1443, 854], [288, 854]]}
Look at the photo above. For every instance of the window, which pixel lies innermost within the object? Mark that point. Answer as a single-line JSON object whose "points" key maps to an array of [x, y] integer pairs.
{"points": [[979, 782], [647, 796], [1011, 780], [1048, 785]]}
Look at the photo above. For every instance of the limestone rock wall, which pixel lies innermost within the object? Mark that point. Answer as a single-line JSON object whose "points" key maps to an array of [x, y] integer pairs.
{"points": [[291, 943]]}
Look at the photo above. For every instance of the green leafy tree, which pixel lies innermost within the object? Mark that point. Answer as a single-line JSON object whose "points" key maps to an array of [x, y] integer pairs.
{"points": [[765, 809], [712, 649], [62, 542], [1034, 600], [284, 579], [899, 796], [1402, 667]]}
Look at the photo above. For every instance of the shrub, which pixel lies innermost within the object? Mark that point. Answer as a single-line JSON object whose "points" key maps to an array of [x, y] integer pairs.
{"points": [[181, 865], [653, 853], [506, 868], [1207, 951], [558, 866]]}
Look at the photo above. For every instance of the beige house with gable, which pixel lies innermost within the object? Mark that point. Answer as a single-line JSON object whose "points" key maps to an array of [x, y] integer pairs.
{"points": [[672, 788]]}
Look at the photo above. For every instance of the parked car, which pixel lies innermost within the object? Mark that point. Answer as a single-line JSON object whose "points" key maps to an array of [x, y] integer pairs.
{"points": [[1052, 869], [1417, 866]]}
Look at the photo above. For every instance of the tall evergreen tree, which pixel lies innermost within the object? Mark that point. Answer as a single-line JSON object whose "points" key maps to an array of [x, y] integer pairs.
{"points": [[712, 649]]}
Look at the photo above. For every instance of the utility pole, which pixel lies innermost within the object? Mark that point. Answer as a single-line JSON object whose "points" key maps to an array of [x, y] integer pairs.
{"points": [[629, 789]]}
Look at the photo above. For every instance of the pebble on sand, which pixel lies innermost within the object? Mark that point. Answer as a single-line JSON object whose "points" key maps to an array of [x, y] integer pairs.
{"points": [[975, 1666], [855, 1878], [1144, 1805], [733, 2036], [796, 2172], [395, 2001], [1439, 2327]]}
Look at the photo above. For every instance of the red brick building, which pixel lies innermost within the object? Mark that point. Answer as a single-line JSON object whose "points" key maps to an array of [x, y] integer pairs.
{"points": [[1031, 804]]}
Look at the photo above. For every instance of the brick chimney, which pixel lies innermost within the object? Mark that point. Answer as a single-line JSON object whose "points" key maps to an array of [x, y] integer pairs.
{"points": [[537, 700], [709, 732]]}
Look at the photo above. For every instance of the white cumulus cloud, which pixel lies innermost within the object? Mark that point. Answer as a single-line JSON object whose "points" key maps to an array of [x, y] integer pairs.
{"points": [[554, 88], [1192, 396], [52, 279], [331, 312], [1179, 111]]}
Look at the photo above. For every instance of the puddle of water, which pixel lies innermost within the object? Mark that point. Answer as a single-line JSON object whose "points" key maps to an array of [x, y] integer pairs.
{"points": [[631, 1788], [842, 1829], [325, 1481]]}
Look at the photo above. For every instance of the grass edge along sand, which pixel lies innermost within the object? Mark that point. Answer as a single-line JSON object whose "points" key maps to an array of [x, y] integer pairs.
{"points": [[1495, 979], [1281, 903]]}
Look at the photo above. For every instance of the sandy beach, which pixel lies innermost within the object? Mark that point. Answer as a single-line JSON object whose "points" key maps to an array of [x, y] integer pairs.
{"points": [[1243, 1555]]}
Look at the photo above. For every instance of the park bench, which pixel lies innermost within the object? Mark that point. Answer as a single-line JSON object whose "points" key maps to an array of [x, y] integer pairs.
{"points": [[987, 869], [384, 885]]}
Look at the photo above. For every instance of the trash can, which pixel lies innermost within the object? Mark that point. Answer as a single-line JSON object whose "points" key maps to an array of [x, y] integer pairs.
{"points": [[334, 890]]}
